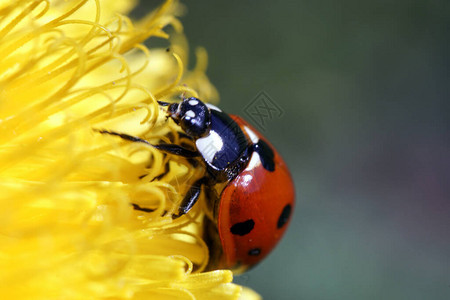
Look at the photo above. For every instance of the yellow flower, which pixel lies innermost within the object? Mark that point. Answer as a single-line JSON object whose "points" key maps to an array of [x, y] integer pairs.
{"points": [[67, 226]]}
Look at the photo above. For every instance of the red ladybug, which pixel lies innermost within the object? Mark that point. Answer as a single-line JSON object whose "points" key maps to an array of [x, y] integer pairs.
{"points": [[246, 180]]}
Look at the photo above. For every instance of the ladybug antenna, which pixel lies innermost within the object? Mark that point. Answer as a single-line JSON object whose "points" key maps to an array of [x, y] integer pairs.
{"points": [[183, 96], [162, 103], [172, 108]]}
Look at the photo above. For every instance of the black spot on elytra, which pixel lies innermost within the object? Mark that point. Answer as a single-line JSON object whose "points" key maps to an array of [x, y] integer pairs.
{"points": [[284, 217], [242, 228], [266, 155], [254, 252]]}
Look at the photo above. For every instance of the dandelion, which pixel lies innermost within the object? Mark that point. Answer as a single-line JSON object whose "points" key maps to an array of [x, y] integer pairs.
{"points": [[68, 229]]}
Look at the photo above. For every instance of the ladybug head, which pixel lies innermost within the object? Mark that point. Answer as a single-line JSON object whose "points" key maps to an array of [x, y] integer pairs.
{"points": [[192, 115]]}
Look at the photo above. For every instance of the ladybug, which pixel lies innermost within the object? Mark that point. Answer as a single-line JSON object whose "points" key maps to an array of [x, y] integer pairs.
{"points": [[247, 183]]}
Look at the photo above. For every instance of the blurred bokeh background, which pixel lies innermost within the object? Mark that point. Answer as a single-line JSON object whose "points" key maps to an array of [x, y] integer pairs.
{"points": [[364, 88]]}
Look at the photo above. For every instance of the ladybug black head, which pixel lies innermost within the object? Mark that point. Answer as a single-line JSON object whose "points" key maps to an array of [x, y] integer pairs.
{"points": [[192, 115]]}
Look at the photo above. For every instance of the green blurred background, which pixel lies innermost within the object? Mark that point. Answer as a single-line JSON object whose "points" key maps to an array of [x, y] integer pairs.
{"points": [[364, 86]]}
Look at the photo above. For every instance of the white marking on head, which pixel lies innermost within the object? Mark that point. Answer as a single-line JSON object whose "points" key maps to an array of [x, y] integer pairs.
{"points": [[253, 137], [255, 160], [210, 106], [209, 145], [190, 114], [193, 102]]}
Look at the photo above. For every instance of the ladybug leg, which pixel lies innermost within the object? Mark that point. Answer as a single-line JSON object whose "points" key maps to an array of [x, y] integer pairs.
{"points": [[144, 209], [176, 150], [194, 192], [168, 148], [191, 198], [124, 136]]}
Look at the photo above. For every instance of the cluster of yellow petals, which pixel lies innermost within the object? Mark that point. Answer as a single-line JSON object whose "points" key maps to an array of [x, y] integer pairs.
{"points": [[67, 227]]}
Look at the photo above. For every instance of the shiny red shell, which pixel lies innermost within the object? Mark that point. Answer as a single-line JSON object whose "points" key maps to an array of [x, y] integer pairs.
{"points": [[254, 210]]}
